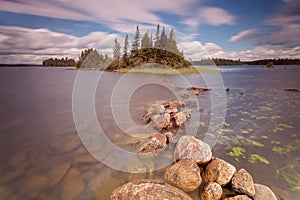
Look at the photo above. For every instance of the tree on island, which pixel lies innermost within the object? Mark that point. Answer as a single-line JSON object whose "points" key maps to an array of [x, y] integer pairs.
{"points": [[56, 62], [136, 40], [117, 49]]}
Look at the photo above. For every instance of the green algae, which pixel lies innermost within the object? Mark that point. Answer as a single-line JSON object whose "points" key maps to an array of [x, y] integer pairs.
{"points": [[255, 157]]}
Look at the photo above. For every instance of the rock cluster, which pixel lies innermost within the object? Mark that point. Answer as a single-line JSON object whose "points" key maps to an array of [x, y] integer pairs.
{"points": [[166, 117], [193, 164]]}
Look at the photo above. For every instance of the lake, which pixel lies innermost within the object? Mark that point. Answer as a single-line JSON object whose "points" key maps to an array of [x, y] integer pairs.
{"points": [[57, 123]]}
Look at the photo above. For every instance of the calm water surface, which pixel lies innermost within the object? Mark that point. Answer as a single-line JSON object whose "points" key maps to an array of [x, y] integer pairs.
{"points": [[42, 157]]}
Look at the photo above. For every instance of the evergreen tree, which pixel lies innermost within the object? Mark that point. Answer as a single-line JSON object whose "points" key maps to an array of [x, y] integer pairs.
{"points": [[171, 42], [157, 38], [126, 44], [117, 49], [136, 40], [163, 39], [150, 42], [146, 41]]}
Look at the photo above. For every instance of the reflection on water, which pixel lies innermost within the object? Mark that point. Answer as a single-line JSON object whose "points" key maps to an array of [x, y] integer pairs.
{"points": [[42, 156]]}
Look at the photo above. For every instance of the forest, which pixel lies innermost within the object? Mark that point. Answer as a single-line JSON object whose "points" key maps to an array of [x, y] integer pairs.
{"points": [[56, 62]]}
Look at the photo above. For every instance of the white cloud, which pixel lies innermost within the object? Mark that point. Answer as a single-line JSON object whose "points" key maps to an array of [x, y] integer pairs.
{"points": [[23, 45], [216, 16], [109, 13], [288, 34], [246, 34]]}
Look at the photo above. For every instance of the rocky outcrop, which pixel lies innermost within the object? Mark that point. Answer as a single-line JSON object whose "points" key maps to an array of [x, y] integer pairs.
{"points": [[219, 171], [155, 144], [263, 192], [189, 147], [242, 182], [211, 191], [148, 190], [184, 174]]}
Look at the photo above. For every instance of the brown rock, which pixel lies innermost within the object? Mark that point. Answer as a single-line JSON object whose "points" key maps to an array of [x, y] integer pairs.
{"points": [[176, 103], [155, 144], [172, 110], [211, 191], [155, 109], [171, 137], [219, 171], [148, 189], [263, 192], [239, 197], [180, 118], [161, 121], [242, 182], [184, 174], [189, 147]]}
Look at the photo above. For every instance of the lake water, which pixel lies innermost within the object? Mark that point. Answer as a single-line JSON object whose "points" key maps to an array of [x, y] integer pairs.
{"points": [[42, 156]]}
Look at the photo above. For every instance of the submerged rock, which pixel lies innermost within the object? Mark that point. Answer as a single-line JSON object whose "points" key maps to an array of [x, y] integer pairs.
{"points": [[239, 197], [155, 144], [148, 189], [211, 191], [242, 182], [155, 109], [161, 121], [180, 118], [219, 171], [189, 147], [184, 174], [291, 90], [263, 192]]}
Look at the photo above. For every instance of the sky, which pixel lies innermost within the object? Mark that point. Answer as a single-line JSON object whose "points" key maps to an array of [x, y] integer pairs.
{"points": [[34, 30]]}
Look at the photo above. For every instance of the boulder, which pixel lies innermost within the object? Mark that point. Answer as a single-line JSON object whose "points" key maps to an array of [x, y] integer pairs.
{"points": [[263, 192], [155, 144], [242, 182], [211, 191], [184, 174], [148, 189], [219, 171], [180, 118], [189, 147], [239, 197], [161, 121]]}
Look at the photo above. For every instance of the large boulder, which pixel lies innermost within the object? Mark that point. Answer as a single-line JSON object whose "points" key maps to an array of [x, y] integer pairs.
{"points": [[242, 182], [189, 147], [211, 191], [148, 189], [184, 174], [161, 121], [263, 192], [219, 171], [155, 144]]}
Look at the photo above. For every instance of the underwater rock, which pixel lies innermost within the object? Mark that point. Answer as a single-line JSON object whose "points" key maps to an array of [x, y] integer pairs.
{"points": [[155, 144], [263, 192], [189, 147], [161, 121], [242, 182], [148, 189], [184, 174], [211, 191]]}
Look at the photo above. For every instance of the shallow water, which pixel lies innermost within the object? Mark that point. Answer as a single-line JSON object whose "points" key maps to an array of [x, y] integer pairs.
{"points": [[42, 156]]}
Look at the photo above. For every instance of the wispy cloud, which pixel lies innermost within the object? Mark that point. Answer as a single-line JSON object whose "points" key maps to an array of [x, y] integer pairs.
{"points": [[18, 44], [243, 35]]}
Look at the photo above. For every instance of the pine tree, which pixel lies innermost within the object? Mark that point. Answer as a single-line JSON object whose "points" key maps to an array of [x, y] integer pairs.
{"points": [[163, 39], [126, 44], [171, 43], [146, 41], [157, 38], [117, 49], [136, 41]]}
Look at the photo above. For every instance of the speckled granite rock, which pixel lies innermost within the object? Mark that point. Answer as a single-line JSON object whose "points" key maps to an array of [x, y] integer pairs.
{"points": [[148, 189]]}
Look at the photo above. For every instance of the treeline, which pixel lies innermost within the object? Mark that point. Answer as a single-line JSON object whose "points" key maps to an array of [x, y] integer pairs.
{"points": [[220, 61], [56, 62]]}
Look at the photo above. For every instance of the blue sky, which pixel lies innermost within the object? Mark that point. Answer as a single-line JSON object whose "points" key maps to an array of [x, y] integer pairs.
{"points": [[31, 31]]}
